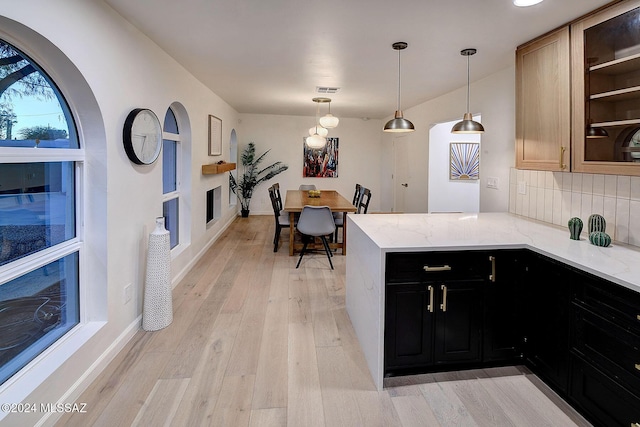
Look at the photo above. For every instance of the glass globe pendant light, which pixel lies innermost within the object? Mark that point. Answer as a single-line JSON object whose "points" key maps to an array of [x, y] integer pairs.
{"points": [[399, 123], [317, 140], [467, 125], [329, 121]]}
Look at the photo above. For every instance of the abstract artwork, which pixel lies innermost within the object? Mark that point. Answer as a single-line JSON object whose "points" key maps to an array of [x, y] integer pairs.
{"points": [[321, 162], [465, 161]]}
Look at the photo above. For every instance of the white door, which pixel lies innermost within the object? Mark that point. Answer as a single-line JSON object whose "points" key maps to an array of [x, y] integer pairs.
{"points": [[400, 172]]}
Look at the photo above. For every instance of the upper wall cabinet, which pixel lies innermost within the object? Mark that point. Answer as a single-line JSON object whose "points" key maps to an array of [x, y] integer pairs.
{"points": [[605, 61], [543, 101]]}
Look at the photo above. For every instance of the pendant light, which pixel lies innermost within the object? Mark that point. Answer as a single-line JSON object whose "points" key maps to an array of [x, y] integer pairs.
{"points": [[399, 123], [329, 121], [467, 125], [316, 140]]}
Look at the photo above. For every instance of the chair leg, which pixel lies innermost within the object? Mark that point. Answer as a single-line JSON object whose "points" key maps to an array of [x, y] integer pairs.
{"points": [[327, 250], [276, 239], [304, 248]]}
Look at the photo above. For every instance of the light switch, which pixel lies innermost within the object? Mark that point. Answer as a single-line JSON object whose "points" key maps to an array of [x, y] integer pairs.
{"points": [[492, 182]]}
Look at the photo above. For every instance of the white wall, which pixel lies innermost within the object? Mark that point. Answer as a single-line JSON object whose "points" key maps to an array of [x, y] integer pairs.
{"points": [[359, 154], [119, 69], [494, 98], [446, 195]]}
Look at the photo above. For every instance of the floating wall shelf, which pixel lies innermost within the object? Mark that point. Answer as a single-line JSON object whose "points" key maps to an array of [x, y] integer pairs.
{"points": [[216, 168]]}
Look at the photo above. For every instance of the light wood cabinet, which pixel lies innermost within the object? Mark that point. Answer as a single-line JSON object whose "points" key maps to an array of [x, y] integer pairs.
{"points": [[605, 61], [543, 103]]}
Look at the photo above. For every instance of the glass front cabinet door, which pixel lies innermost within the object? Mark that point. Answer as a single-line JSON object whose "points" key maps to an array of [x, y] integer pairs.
{"points": [[605, 56]]}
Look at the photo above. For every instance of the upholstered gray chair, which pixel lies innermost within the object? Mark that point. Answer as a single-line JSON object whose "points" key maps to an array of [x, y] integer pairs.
{"points": [[316, 221]]}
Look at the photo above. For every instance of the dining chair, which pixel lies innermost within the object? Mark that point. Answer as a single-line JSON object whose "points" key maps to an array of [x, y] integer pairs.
{"points": [[338, 217], [282, 219], [316, 221], [307, 187], [276, 189], [363, 204]]}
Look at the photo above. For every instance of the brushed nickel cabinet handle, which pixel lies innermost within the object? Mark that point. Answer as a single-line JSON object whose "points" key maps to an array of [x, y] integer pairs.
{"points": [[437, 268], [562, 165], [635, 424], [638, 366], [492, 276], [430, 306], [638, 316], [443, 306]]}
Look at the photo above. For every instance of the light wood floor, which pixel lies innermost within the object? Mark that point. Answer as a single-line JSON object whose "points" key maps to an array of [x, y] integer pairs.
{"points": [[256, 342]]}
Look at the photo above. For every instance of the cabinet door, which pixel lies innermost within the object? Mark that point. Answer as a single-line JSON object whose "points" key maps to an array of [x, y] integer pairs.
{"points": [[503, 307], [458, 328], [547, 320], [543, 103], [605, 61], [408, 326]]}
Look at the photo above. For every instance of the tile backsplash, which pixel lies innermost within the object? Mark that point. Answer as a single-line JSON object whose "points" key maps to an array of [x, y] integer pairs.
{"points": [[555, 197]]}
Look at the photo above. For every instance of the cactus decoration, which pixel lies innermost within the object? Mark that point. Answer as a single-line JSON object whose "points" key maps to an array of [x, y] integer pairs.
{"points": [[600, 238], [596, 223], [575, 228]]}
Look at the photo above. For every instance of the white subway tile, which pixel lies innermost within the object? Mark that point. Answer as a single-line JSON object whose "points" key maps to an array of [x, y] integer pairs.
{"points": [[622, 220], [519, 202], [576, 182], [587, 183], [513, 175], [576, 204], [548, 180], [525, 202], [566, 181], [623, 190], [541, 178], [557, 207], [520, 175], [634, 222], [586, 208], [533, 202], [540, 205], [610, 184], [597, 205], [548, 205], [635, 188], [566, 207], [609, 214], [512, 197], [527, 176], [557, 180], [533, 178], [598, 185]]}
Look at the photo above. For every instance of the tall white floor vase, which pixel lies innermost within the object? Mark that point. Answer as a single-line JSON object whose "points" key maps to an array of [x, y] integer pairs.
{"points": [[157, 311]]}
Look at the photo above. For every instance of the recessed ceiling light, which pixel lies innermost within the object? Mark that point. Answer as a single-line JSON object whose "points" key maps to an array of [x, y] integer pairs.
{"points": [[525, 3]]}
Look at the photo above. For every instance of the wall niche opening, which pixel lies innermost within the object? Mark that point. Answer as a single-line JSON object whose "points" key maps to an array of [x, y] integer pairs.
{"points": [[214, 204]]}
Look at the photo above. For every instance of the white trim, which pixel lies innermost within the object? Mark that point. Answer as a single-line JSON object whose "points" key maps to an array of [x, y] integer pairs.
{"points": [[36, 155]]}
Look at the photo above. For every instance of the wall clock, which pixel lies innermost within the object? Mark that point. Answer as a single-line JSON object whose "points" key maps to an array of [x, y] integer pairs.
{"points": [[142, 136]]}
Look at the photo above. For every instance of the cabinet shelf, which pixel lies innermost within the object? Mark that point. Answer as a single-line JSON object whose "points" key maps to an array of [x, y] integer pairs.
{"points": [[617, 123], [617, 95], [618, 66], [217, 168]]}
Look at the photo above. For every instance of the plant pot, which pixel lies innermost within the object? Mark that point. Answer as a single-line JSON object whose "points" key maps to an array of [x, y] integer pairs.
{"points": [[244, 213]]}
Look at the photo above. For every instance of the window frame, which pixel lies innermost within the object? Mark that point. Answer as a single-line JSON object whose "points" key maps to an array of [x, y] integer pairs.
{"points": [[175, 194]]}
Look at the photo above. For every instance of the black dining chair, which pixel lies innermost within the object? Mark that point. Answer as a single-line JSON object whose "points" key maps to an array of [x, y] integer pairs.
{"points": [[338, 217], [363, 204], [316, 221], [282, 219]]}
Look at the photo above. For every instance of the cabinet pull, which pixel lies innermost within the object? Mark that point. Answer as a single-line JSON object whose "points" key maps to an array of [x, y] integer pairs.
{"points": [[437, 268], [638, 366], [635, 424], [443, 306], [562, 165], [430, 306], [638, 316], [492, 276]]}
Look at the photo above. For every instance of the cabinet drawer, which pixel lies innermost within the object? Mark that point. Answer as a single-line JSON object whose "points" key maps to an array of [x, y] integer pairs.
{"points": [[426, 266], [613, 302], [614, 349], [604, 401]]}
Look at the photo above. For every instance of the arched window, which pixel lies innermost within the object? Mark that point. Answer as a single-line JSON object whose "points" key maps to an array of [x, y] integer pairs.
{"points": [[40, 248], [171, 159]]}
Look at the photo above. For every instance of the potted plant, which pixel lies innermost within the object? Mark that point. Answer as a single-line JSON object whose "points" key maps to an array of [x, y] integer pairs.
{"points": [[252, 176]]}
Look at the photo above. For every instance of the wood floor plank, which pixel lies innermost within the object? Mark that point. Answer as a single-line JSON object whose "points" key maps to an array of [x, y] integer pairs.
{"points": [[160, 407], [271, 417], [270, 389], [324, 325], [482, 406], [338, 397], [446, 405], [305, 398], [201, 395], [233, 408], [414, 411]]}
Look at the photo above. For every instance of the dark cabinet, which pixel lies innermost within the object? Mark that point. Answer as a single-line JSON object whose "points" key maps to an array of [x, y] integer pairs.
{"points": [[433, 310], [546, 320]]}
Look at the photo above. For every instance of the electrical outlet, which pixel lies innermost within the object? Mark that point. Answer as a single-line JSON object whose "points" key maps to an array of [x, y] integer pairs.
{"points": [[493, 182], [522, 187], [128, 293]]}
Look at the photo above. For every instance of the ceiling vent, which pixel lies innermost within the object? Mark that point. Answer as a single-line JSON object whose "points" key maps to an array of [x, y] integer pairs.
{"points": [[326, 89]]}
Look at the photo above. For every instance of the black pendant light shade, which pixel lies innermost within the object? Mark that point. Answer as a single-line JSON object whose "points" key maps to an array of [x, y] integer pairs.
{"points": [[467, 125], [399, 123], [595, 132]]}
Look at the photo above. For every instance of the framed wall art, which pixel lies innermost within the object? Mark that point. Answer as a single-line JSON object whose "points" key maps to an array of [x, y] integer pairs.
{"points": [[464, 161], [215, 136], [320, 162]]}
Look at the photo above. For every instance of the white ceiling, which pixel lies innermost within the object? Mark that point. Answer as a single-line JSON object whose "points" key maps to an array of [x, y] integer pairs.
{"points": [[268, 56]]}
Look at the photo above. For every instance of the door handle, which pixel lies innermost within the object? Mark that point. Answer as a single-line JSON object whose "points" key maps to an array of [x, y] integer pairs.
{"points": [[405, 184], [562, 165], [430, 306], [443, 306], [437, 268], [492, 276]]}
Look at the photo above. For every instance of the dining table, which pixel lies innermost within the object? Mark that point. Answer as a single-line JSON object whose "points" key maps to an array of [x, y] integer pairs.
{"points": [[295, 200]]}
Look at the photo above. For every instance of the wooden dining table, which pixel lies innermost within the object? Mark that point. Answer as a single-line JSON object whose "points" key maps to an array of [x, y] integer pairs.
{"points": [[295, 200]]}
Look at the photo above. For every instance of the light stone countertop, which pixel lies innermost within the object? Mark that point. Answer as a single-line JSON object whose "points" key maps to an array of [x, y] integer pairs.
{"points": [[618, 263]]}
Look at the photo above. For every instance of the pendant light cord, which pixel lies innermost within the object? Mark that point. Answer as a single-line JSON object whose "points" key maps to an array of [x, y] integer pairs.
{"points": [[468, 84], [399, 78]]}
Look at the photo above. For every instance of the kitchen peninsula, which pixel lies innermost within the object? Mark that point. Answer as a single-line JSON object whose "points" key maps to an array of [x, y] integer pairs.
{"points": [[507, 276]]}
